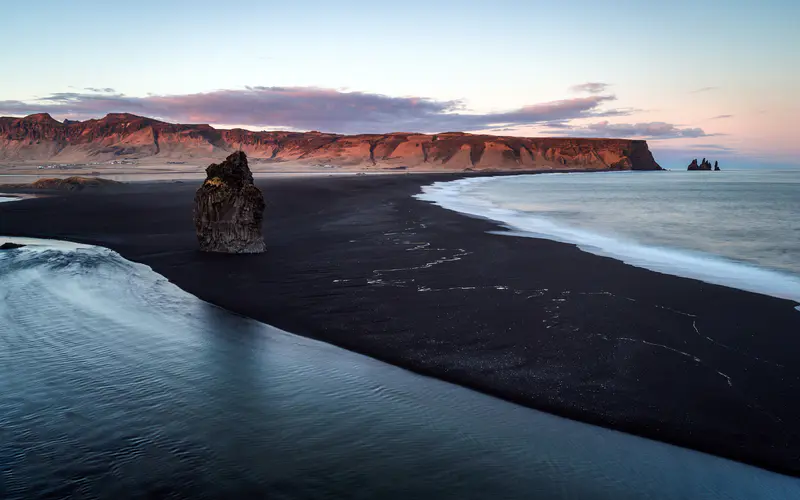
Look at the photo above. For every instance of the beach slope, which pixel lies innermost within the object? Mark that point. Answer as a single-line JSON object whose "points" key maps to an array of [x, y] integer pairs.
{"points": [[358, 262]]}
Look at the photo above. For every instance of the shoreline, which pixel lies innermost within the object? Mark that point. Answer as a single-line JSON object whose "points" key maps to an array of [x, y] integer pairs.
{"points": [[687, 263], [230, 362], [357, 262]]}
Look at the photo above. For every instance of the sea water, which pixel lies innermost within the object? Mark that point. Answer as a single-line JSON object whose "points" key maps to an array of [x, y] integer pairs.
{"points": [[115, 383], [733, 228]]}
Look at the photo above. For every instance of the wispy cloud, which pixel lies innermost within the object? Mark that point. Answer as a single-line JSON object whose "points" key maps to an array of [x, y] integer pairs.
{"points": [[651, 130], [590, 87], [721, 117], [106, 90], [313, 108], [704, 89], [557, 125], [336, 110], [713, 147]]}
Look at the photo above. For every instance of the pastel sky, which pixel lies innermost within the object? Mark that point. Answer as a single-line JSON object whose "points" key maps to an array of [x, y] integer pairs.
{"points": [[717, 78]]}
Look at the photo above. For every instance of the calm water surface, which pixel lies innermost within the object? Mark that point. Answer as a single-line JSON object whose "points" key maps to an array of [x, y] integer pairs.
{"points": [[113, 382]]}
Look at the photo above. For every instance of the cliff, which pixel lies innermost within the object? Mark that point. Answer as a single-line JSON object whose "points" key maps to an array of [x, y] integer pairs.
{"points": [[126, 136]]}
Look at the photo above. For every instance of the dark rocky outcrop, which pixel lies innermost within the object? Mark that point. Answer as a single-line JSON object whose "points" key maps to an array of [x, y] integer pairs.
{"points": [[74, 183], [704, 165], [716, 166], [229, 208], [10, 246]]}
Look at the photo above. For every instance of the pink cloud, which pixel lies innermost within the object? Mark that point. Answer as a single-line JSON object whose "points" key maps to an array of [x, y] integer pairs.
{"points": [[312, 108]]}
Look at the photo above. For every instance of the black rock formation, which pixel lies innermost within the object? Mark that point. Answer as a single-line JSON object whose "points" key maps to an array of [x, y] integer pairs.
{"points": [[704, 165], [229, 208], [10, 246]]}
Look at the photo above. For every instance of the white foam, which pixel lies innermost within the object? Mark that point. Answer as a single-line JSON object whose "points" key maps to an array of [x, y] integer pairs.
{"points": [[457, 196], [8, 198]]}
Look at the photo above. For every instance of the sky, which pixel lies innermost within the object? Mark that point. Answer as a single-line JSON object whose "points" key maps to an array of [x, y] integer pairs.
{"points": [[715, 78]]}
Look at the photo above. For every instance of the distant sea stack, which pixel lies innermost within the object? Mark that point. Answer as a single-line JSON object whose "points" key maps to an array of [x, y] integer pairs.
{"points": [[229, 208], [125, 136], [704, 165]]}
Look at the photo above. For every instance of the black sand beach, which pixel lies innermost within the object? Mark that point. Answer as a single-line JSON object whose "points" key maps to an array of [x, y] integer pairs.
{"points": [[357, 262]]}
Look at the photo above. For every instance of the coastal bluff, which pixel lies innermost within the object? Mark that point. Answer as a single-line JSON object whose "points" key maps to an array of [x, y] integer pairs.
{"points": [[123, 136]]}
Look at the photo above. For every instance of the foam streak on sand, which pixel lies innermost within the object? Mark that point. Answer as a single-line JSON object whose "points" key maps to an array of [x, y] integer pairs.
{"points": [[682, 353], [460, 196], [737, 351]]}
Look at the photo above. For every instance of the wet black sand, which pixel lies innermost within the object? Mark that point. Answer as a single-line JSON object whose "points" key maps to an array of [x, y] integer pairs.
{"points": [[356, 261]]}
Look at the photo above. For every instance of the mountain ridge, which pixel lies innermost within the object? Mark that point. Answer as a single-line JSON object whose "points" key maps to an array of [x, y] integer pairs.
{"points": [[128, 136]]}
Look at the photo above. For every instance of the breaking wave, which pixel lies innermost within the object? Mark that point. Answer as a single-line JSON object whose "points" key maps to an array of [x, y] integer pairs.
{"points": [[460, 196]]}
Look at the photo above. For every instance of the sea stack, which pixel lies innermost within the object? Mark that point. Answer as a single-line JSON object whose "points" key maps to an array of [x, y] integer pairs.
{"points": [[704, 165], [229, 208]]}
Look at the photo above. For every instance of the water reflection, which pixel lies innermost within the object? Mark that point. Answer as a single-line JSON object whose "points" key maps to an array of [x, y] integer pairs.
{"points": [[113, 382]]}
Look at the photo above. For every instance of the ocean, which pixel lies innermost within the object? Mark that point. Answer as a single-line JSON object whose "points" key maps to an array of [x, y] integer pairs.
{"points": [[116, 383], [735, 228]]}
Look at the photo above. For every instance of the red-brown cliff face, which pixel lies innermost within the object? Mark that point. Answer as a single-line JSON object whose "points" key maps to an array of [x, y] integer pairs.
{"points": [[122, 135]]}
